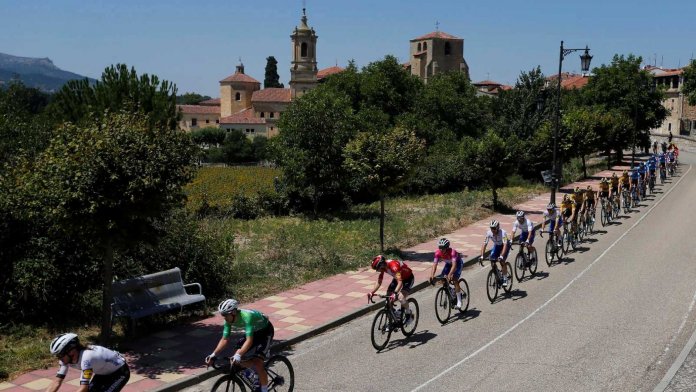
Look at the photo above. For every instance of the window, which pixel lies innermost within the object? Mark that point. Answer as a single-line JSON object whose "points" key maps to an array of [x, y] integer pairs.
{"points": [[237, 97], [419, 47], [272, 114], [669, 126], [217, 121], [303, 49], [448, 49], [194, 122], [425, 46], [675, 82], [262, 115], [207, 121], [271, 128]]}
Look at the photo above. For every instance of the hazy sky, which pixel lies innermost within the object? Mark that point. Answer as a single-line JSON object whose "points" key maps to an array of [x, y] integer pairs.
{"points": [[197, 43]]}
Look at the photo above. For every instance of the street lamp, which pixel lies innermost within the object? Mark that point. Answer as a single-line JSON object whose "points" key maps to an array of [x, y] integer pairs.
{"points": [[585, 60]]}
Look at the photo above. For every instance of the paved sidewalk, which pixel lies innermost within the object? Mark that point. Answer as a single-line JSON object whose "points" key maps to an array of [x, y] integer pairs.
{"points": [[168, 358]]}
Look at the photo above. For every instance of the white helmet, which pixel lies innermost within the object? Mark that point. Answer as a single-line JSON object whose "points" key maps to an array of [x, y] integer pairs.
{"points": [[494, 224], [64, 342], [228, 306], [520, 214]]}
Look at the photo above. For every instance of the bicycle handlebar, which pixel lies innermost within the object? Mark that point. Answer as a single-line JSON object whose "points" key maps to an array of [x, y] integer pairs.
{"points": [[371, 299], [222, 363]]}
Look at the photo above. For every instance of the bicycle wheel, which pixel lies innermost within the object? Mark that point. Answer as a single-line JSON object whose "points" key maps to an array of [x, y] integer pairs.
{"points": [[415, 312], [281, 376], [442, 305], [533, 260], [549, 252], [566, 241], [380, 333], [492, 286], [228, 383], [574, 240], [509, 278], [603, 217], [559, 247], [464, 287], [520, 266]]}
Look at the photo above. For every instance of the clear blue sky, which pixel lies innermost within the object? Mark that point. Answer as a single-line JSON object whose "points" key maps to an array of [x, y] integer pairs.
{"points": [[197, 43]]}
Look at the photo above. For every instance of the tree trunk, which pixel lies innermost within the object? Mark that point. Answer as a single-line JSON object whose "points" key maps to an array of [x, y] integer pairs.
{"points": [[495, 199], [608, 159], [584, 167], [108, 276], [381, 223]]}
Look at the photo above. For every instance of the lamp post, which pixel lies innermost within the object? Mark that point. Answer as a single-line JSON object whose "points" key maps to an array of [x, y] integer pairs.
{"points": [[585, 60]]}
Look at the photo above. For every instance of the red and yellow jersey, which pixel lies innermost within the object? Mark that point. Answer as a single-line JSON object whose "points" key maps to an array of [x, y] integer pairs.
{"points": [[396, 268]]}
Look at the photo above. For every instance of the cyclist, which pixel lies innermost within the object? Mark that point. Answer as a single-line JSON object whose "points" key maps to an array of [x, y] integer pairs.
{"points": [[652, 166], [614, 191], [501, 247], [589, 202], [554, 220], [566, 209], [662, 159], [102, 369], [526, 233], [578, 208], [635, 178], [449, 256], [604, 194], [401, 284], [654, 147], [670, 160], [252, 349]]}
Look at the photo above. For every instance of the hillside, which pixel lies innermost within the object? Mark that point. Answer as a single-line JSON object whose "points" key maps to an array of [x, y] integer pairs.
{"points": [[40, 73]]}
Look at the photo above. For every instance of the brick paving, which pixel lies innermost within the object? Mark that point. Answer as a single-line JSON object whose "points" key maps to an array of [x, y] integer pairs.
{"points": [[169, 356]]}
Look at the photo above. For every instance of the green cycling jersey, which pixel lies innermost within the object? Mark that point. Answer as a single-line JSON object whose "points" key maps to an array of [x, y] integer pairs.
{"points": [[250, 320]]}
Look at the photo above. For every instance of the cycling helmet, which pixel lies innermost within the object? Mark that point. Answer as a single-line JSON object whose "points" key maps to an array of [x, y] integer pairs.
{"points": [[589, 187], [494, 224], [613, 175], [625, 172], [566, 197], [577, 189], [443, 243], [551, 206], [228, 306], [378, 262], [520, 214], [63, 343]]}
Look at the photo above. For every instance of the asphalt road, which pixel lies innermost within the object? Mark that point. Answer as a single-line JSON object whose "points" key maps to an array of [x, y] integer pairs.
{"points": [[612, 316]]}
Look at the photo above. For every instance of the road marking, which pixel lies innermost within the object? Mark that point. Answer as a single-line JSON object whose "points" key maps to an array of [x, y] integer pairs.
{"points": [[542, 306]]}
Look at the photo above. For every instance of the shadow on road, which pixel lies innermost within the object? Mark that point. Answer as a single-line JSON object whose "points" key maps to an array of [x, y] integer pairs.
{"points": [[463, 317], [417, 339], [516, 294], [540, 275]]}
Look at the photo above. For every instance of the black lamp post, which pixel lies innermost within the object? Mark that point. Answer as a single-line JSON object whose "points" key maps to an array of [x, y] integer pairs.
{"points": [[585, 60]]}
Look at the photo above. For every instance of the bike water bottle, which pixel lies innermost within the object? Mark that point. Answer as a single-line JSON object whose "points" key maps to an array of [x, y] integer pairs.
{"points": [[253, 378]]}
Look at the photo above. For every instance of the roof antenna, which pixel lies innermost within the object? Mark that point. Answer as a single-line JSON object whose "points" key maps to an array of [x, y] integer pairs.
{"points": [[488, 76], [304, 7], [437, 25]]}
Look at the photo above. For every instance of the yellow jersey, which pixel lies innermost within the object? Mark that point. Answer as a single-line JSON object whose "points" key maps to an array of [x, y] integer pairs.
{"points": [[589, 195], [604, 186], [614, 181]]}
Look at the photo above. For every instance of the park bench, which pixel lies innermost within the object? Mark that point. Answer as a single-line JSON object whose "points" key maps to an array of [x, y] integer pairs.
{"points": [[151, 294]]}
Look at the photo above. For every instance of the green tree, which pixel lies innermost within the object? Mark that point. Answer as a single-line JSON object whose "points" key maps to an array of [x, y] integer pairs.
{"points": [[309, 148], [119, 89], [381, 162], [622, 86], [191, 99], [582, 136], [689, 86], [237, 147], [492, 158], [92, 183], [210, 136], [517, 111], [24, 129], [272, 79], [387, 86]]}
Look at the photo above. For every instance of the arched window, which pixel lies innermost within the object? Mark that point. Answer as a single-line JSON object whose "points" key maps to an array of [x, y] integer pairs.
{"points": [[419, 47], [448, 48], [303, 50], [425, 46], [238, 97]]}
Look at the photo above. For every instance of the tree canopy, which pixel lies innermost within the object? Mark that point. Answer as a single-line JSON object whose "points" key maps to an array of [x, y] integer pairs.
{"points": [[689, 87]]}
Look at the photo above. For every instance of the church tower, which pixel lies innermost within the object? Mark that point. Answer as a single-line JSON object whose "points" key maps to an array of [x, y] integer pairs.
{"points": [[236, 91], [303, 72]]}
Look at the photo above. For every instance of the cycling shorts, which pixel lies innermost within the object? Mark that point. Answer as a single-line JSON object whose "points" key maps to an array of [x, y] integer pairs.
{"points": [[590, 203], [457, 271], [261, 342], [497, 250], [567, 213], [603, 194], [408, 284], [525, 234], [113, 382]]}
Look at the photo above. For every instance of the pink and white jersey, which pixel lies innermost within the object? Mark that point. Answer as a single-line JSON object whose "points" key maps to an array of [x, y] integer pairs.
{"points": [[448, 256]]}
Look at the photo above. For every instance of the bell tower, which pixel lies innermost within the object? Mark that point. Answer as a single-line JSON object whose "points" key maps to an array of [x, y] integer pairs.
{"points": [[303, 71]]}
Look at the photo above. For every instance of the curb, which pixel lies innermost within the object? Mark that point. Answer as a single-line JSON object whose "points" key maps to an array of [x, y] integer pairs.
{"points": [[198, 378]]}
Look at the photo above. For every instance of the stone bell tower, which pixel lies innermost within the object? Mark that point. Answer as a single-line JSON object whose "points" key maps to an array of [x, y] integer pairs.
{"points": [[303, 71]]}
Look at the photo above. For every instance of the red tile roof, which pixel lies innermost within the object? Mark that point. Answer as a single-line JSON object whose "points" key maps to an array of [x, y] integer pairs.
{"points": [[436, 34], [671, 72], [572, 82], [328, 71], [240, 78], [487, 83], [272, 95], [246, 116], [198, 109], [210, 102]]}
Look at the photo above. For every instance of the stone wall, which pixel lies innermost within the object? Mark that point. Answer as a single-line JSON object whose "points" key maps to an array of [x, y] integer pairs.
{"points": [[685, 143]]}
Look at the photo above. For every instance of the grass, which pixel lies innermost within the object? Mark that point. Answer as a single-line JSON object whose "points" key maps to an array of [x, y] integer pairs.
{"points": [[273, 254], [217, 185]]}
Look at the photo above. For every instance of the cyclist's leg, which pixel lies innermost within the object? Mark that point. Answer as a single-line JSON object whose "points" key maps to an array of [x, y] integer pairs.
{"points": [[113, 382]]}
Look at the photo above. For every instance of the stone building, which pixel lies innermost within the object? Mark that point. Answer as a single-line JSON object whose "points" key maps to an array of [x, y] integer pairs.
{"points": [[436, 52], [245, 106], [681, 119]]}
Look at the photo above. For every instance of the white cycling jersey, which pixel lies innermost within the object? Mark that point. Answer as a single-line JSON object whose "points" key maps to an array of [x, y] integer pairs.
{"points": [[498, 238], [95, 360], [550, 217], [526, 226]]}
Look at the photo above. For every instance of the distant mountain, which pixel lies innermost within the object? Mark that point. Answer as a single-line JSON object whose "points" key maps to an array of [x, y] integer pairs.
{"points": [[39, 73]]}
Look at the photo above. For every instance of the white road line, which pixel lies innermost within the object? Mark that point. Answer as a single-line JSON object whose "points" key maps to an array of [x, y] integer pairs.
{"points": [[502, 335]]}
